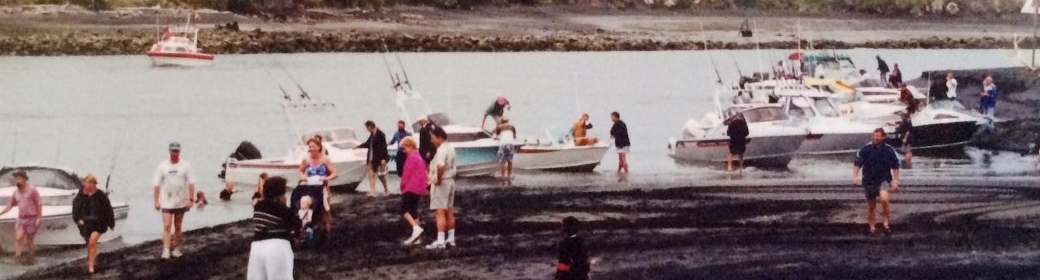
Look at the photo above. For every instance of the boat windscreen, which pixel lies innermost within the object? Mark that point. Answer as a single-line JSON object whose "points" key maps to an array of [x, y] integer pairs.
{"points": [[42, 177], [764, 114]]}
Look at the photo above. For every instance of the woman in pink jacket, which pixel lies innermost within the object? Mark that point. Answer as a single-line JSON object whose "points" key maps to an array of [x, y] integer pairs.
{"points": [[413, 187]]}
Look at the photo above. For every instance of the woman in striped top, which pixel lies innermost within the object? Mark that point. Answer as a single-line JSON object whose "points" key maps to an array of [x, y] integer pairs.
{"points": [[275, 226]]}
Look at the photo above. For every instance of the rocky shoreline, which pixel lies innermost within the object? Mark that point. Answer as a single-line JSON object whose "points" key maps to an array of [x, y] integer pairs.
{"points": [[136, 42]]}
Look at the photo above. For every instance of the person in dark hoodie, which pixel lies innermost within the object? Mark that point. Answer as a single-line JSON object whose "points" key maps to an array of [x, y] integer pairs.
{"points": [[377, 157], [426, 148], [275, 228], [738, 132], [573, 259], [92, 212]]}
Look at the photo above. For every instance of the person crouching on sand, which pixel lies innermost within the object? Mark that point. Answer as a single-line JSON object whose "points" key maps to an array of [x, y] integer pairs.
{"points": [[93, 214], [413, 188], [275, 226], [573, 260], [880, 165]]}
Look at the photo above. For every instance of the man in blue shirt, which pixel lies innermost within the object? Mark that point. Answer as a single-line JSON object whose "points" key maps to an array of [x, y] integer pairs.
{"points": [[880, 165], [400, 156]]}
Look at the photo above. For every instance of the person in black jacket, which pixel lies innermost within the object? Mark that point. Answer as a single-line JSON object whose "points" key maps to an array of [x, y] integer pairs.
{"points": [[738, 133], [93, 214], [426, 148], [620, 133], [573, 260], [377, 158]]}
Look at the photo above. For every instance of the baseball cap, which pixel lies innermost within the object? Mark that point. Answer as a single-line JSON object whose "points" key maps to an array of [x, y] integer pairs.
{"points": [[175, 146], [501, 100]]}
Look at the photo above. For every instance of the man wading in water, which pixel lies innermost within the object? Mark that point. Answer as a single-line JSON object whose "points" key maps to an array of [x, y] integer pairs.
{"points": [[880, 165]]}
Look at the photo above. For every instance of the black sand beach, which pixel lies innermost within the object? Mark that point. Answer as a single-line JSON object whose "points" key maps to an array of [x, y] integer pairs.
{"points": [[775, 232]]}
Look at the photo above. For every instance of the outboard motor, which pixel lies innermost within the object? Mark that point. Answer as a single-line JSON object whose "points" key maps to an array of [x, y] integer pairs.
{"points": [[245, 150]]}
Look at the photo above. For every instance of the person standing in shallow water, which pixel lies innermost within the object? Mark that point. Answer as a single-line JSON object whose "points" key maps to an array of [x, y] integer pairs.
{"points": [[377, 157], [506, 133], [93, 214], [573, 261], [619, 131], [174, 195], [426, 148], [737, 129], [30, 210], [880, 165], [399, 157]]}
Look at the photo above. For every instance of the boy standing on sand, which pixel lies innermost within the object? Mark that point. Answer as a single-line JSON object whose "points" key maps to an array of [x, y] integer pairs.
{"points": [[442, 189], [880, 165], [573, 260], [30, 208], [174, 195]]}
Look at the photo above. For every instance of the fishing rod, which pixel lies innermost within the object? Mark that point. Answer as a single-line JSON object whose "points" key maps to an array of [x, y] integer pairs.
{"points": [[710, 59], [396, 84], [303, 92], [400, 64], [285, 94]]}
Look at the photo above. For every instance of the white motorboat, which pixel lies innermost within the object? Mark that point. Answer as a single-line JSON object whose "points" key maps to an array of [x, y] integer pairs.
{"points": [[933, 127], [557, 152], [476, 150], [340, 143], [829, 131], [773, 139], [179, 46], [57, 188]]}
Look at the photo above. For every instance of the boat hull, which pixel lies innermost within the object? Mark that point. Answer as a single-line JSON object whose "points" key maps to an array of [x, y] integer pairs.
{"points": [[941, 136], [470, 161], [57, 227], [834, 143], [556, 158], [768, 151], [246, 173], [180, 59]]}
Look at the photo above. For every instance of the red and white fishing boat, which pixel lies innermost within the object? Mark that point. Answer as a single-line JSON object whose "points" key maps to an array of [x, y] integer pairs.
{"points": [[179, 46]]}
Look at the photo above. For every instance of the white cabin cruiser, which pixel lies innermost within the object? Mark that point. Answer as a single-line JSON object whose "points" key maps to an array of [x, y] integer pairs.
{"points": [[57, 188], [179, 46], [773, 140], [829, 131], [558, 152], [350, 163]]}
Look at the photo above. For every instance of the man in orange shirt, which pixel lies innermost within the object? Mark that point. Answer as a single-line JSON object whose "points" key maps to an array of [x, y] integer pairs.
{"points": [[579, 132]]}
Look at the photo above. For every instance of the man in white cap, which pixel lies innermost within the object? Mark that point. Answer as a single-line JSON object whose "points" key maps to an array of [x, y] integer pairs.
{"points": [[174, 192], [496, 110]]}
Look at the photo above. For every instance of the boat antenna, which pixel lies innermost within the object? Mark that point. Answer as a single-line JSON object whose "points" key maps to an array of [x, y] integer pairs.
{"points": [[112, 167], [400, 64], [14, 150], [734, 58], [396, 84], [57, 155]]}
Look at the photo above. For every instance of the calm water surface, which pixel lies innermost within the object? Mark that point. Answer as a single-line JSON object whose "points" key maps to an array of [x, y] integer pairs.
{"points": [[76, 112]]}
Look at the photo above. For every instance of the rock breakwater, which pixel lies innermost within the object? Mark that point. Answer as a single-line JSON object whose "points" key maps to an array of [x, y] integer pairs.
{"points": [[122, 42]]}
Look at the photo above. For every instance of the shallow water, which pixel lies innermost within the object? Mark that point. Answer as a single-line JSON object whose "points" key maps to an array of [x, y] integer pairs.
{"points": [[78, 111]]}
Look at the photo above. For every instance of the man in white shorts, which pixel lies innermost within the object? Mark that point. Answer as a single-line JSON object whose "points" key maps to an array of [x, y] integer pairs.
{"points": [[174, 195], [442, 189]]}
